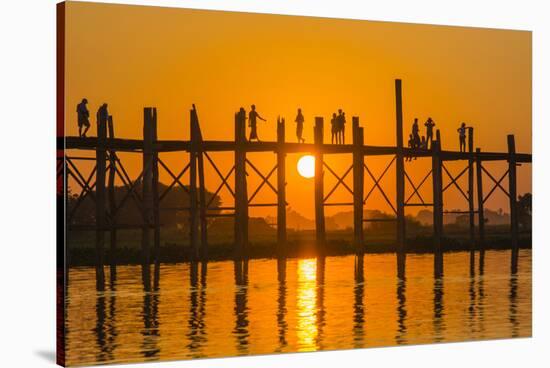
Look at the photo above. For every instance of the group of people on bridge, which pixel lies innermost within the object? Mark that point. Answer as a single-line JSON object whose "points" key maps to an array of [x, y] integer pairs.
{"points": [[83, 116], [338, 126], [417, 142], [426, 141]]}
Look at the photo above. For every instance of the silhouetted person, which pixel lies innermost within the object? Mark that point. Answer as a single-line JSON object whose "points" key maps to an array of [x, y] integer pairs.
{"points": [[429, 124], [415, 131], [299, 126], [462, 137], [102, 114], [242, 113], [83, 117], [423, 143], [339, 124], [334, 128], [411, 145], [343, 128], [252, 123]]}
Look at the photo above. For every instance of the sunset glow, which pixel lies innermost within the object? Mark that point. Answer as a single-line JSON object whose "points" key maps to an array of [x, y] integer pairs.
{"points": [[290, 62]]}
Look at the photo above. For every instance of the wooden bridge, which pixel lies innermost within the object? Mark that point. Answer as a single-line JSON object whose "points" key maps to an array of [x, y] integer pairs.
{"points": [[108, 166]]}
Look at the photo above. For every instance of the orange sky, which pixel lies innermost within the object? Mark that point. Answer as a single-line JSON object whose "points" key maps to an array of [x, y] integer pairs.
{"points": [[133, 56]]}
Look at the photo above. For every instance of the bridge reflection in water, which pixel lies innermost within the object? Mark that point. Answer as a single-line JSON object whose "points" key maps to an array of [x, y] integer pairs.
{"points": [[268, 305]]}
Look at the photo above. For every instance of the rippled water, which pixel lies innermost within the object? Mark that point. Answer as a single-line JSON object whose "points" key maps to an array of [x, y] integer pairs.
{"points": [[262, 306]]}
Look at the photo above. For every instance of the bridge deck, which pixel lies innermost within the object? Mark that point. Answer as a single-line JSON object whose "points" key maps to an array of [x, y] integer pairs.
{"points": [[136, 145]]}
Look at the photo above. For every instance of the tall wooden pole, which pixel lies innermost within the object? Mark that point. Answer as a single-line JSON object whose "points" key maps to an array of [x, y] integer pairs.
{"points": [[147, 195], [480, 212], [62, 253], [112, 201], [202, 186], [400, 182], [471, 209], [512, 186], [202, 209], [193, 200], [241, 195], [437, 205], [101, 157], [320, 235], [281, 189], [358, 179], [155, 196]]}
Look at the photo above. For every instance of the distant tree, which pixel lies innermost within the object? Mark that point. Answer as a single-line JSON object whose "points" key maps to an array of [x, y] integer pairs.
{"points": [[524, 205], [130, 213], [462, 220]]}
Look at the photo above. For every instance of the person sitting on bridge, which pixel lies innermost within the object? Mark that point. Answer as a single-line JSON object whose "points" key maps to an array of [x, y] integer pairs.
{"points": [[252, 116], [83, 118], [299, 126], [462, 136], [334, 128], [102, 115], [429, 124], [411, 146]]}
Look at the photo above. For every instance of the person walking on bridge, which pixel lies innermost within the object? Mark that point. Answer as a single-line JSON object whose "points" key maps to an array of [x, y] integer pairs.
{"points": [[299, 126], [429, 124], [252, 123], [83, 118], [462, 136]]}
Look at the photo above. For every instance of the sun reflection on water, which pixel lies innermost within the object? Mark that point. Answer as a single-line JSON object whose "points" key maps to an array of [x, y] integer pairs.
{"points": [[306, 302]]}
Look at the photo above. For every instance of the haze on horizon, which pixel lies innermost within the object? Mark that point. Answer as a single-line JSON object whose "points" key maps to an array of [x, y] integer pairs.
{"points": [[170, 58]]}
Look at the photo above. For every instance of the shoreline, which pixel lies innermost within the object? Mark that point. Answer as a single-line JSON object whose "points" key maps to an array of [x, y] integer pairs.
{"points": [[172, 253]]}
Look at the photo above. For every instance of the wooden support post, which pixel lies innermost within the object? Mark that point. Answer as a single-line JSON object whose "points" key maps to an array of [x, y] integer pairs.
{"points": [[155, 197], [147, 196], [202, 186], [202, 209], [480, 212], [358, 179], [193, 200], [400, 182], [320, 235], [241, 194], [281, 188], [471, 209], [437, 206], [359, 267], [101, 156], [512, 187], [112, 201]]}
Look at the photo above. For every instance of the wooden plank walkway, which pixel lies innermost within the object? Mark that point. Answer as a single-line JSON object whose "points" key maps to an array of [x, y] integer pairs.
{"points": [[136, 145]]}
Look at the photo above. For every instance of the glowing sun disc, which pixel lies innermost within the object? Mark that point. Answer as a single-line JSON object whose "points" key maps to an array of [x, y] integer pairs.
{"points": [[306, 166]]}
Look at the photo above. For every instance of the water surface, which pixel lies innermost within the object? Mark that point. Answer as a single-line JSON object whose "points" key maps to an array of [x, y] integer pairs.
{"points": [[265, 306]]}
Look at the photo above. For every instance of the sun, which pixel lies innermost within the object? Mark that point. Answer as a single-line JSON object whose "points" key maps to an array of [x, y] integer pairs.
{"points": [[306, 166]]}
